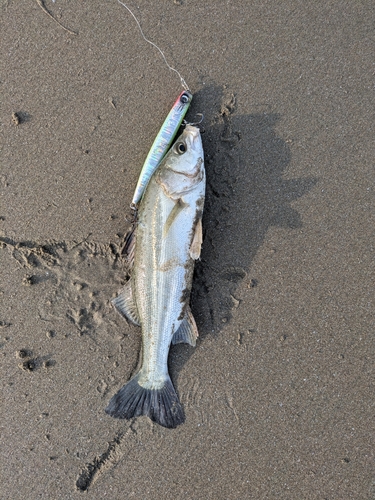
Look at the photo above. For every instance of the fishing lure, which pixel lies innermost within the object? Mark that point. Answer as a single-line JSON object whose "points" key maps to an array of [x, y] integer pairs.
{"points": [[169, 128], [162, 143]]}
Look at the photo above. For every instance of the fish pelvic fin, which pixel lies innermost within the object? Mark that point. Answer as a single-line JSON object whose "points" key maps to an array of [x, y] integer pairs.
{"points": [[161, 405], [187, 332], [125, 304]]}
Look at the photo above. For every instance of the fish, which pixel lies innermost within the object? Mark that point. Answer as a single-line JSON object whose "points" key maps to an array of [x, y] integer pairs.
{"points": [[162, 143], [162, 250]]}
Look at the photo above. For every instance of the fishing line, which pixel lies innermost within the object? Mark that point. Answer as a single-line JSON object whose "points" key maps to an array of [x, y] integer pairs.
{"points": [[183, 82]]}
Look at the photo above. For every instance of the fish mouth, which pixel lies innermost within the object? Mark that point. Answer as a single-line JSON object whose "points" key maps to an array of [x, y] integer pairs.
{"points": [[193, 135]]}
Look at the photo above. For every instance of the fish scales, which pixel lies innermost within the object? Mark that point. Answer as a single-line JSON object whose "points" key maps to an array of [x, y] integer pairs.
{"points": [[160, 290], [167, 242]]}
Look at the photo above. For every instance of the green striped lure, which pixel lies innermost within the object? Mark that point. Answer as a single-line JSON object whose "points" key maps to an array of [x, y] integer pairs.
{"points": [[168, 130], [162, 143]]}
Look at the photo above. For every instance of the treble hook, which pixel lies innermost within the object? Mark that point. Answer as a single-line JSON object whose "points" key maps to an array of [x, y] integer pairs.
{"points": [[184, 123]]}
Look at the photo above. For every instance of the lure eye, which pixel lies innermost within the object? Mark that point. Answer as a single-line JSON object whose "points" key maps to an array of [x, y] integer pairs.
{"points": [[180, 148], [184, 98]]}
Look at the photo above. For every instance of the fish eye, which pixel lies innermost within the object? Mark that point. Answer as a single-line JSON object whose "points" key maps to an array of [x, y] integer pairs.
{"points": [[180, 148], [184, 98]]}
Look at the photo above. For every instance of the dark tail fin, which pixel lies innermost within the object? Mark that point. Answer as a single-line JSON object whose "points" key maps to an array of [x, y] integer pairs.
{"points": [[160, 405]]}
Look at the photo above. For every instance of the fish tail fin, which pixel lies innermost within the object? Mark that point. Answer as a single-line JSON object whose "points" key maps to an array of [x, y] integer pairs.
{"points": [[161, 405]]}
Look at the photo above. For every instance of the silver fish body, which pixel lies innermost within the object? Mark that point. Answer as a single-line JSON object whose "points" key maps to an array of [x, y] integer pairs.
{"points": [[167, 241]]}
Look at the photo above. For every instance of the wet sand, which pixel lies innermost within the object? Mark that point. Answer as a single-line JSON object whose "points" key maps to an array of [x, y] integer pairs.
{"points": [[279, 392]]}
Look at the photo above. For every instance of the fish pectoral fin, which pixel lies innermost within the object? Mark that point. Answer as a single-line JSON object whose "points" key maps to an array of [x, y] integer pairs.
{"points": [[196, 244], [125, 305], [187, 332], [178, 207]]}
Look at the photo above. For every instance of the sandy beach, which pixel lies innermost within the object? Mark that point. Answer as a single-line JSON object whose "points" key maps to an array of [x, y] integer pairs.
{"points": [[278, 394]]}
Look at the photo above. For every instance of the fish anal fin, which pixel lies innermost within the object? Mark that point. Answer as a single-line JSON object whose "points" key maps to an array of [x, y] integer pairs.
{"points": [[187, 332], [196, 244], [125, 304]]}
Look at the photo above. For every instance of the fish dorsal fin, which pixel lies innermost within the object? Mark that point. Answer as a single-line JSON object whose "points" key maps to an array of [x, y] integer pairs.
{"points": [[125, 305], [129, 247], [187, 332], [196, 244]]}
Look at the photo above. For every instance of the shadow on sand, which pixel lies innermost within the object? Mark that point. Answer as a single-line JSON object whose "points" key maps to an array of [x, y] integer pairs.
{"points": [[246, 194]]}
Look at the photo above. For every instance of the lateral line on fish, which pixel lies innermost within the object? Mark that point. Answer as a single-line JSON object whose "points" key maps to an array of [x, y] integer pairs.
{"points": [[183, 82]]}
